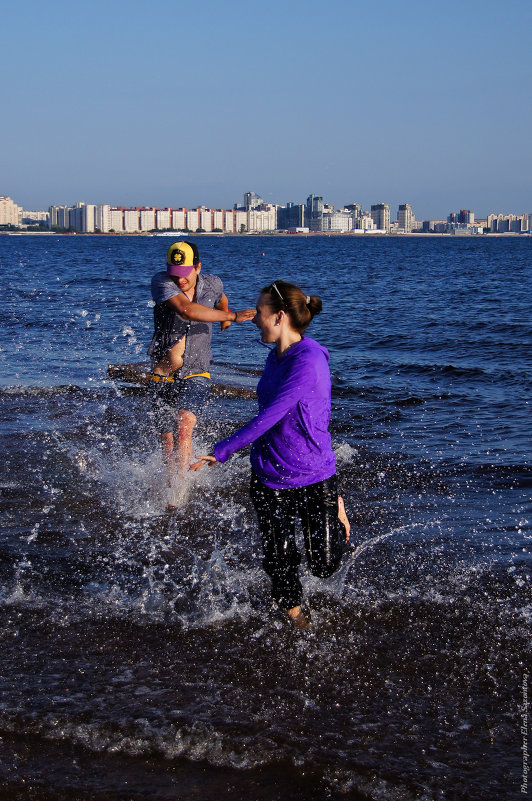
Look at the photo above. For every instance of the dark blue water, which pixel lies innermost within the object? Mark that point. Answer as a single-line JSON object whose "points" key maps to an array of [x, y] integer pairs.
{"points": [[141, 657]]}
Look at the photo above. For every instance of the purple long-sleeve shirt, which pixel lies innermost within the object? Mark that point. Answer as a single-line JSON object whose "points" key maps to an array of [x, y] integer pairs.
{"points": [[290, 434]]}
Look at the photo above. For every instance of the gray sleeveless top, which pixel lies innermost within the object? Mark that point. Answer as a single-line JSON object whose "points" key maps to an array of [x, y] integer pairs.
{"points": [[170, 327]]}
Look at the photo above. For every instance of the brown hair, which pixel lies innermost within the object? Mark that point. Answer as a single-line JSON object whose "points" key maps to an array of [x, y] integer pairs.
{"points": [[289, 298]]}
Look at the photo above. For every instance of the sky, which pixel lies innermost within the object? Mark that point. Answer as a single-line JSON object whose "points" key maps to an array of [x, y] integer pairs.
{"points": [[171, 103]]}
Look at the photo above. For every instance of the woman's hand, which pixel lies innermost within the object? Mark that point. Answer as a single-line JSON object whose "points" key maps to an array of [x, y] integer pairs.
{"points": [[202, 461]]}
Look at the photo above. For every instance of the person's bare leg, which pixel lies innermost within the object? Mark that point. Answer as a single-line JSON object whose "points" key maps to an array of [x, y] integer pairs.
{"points": [[181, 453], [342, 517], [183, 440], [167, 446]]}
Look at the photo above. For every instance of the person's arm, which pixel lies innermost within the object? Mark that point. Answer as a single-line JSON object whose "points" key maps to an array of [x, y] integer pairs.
{"points": [[300, 380], [190, 310], [223, 304]]}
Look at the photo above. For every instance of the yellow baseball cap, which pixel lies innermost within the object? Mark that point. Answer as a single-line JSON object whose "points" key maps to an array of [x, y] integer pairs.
{"points": [[179, 259]]}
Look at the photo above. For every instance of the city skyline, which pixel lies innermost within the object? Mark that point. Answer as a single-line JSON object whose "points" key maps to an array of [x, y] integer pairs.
{"points": [[234, 205], [184, 104], [255, 216]]}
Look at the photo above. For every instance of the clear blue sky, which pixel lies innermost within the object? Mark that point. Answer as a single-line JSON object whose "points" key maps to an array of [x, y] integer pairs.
{"points": [[182, 103]]}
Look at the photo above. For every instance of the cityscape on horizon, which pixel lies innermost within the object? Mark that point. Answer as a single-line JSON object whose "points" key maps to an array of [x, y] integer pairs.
{"points": [[254, 215]]}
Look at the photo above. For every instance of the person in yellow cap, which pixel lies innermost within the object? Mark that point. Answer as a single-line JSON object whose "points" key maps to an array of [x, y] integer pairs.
{"points": [[187, 303]]}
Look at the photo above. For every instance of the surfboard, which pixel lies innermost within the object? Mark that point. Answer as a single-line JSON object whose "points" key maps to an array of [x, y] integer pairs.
{"points": [[139, 374]]}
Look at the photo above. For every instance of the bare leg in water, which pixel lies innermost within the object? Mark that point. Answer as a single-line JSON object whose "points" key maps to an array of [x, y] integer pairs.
{"points": [[177, 450]]}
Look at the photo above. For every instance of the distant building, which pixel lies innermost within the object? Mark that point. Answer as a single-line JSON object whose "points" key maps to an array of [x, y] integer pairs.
{"points": [[206, 219], [179, 219], [59, 217], [116, 220], [315, 208], [240, 220], [380, 214], [88, 218], [405, 217], [131, 221], [9, 211], [263, 218], [32, 217], [355, 209], [193, 219], [146, 220], [508, 223], [291, 216], [364, 223], [163, 219], [338, 221], [102, 218], [251, 200]]}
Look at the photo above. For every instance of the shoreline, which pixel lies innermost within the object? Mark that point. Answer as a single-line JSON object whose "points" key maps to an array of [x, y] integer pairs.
{"points": [[299, 235]]}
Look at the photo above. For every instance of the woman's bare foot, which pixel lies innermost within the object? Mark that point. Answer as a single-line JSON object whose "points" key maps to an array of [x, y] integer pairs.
{"points": [[342, 517], [297, 618]]}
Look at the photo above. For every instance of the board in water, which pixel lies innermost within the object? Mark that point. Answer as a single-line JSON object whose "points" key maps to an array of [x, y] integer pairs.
{"points": [[140, 374]]}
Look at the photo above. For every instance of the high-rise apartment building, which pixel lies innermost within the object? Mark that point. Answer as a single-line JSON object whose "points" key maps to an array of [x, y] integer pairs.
{"points": [[9, 211], [380, 214], [252, 200], [163, 219], [146, 220], [315, 209], [405, 217], [102, 218], [291, 216], [355, 209], [116, 220], [131, 220]]}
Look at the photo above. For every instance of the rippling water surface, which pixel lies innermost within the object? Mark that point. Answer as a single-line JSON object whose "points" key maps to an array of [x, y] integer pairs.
{"points": [[141, 657]]}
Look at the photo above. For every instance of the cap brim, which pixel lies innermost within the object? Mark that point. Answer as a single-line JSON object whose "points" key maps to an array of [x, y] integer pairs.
{"points": [[179, 270]]}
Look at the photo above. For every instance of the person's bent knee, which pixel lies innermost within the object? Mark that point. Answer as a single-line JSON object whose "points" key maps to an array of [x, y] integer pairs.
{"points": [[325, 570]]}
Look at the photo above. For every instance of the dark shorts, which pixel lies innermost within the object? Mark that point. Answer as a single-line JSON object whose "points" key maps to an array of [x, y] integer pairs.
{"points": [[190, 394]]}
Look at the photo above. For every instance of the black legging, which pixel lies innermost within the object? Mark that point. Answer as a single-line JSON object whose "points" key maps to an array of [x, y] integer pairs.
{"points": [[317, 508]]}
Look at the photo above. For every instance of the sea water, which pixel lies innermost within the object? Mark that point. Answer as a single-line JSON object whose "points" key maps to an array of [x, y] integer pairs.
{"points": [[141, 655]]}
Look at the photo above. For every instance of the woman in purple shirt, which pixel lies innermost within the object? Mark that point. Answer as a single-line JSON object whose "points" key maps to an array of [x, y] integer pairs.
{"points": [[293, 463]]}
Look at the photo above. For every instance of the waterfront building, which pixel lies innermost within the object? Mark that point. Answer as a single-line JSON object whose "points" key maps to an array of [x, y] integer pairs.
{"points": [[291, 216], [364, 223], [26, 217], [240, 220], [193, 219], [88, 218], [405, 217], [338, 221], [380, 213], [116, 220], [9, 211], [131, 220], [315, 208], [217, 220], [179, 219], [251, 200], [146, 221], [59, 217], [102, 218], [264, 218], [206, 219], [355, 209], [163, 219], [508, 223]]}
